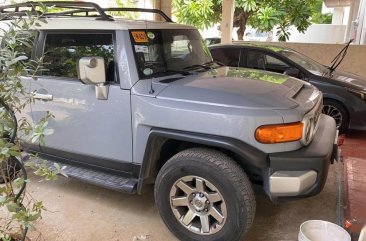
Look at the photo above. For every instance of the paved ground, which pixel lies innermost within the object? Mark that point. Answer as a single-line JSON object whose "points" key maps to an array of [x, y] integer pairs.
{"points": [[354, 151], [82, 212]]}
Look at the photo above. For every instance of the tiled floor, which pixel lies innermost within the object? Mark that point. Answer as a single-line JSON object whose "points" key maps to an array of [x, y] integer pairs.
{"points": [[354, 153]]}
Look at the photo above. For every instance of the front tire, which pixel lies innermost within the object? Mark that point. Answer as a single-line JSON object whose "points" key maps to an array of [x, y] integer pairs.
{"points": [[202, 194]]}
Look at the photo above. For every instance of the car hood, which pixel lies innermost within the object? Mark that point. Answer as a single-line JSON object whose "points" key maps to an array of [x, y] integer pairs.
{"points": [[236, 87], [349, 80]]}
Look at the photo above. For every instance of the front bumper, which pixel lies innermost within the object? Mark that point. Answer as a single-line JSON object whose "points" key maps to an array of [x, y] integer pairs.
{"points": [[303, 173]]}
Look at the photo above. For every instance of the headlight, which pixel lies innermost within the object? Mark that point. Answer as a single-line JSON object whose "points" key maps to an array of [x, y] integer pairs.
{"points": [[359, 93]]}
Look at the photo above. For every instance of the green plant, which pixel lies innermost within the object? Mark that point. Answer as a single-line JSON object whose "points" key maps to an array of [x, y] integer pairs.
{"points": [[263, 15], [317, 15], [21, 211]]}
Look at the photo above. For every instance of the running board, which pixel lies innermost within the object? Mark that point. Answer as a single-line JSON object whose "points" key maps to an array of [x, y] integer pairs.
{"points": [[98, 178]]}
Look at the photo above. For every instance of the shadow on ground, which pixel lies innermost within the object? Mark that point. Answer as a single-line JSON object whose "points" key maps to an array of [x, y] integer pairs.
{"points": [[82, 212]]}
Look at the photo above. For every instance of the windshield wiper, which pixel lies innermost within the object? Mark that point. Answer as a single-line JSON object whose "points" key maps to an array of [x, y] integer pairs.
{"points": [[170, 71], [203, 66], [339, 58]]}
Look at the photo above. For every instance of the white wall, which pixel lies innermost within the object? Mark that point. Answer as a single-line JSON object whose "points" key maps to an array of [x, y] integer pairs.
{"points": [[318, 33]]}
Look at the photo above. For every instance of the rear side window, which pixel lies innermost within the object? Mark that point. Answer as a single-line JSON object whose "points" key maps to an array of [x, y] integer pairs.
{"points": [[274, 61], [226, 56], [63, 51], [256, 60]]}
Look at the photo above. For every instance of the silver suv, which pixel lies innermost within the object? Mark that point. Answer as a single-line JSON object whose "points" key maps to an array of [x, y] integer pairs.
{"points": [[140, 103]]}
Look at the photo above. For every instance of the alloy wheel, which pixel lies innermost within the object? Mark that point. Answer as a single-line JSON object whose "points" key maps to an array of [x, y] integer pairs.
{"points": [[198, 205], [334, 112]]}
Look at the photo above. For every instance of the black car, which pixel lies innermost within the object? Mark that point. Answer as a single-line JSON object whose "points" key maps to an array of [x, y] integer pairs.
{"points": [[344, 93]]}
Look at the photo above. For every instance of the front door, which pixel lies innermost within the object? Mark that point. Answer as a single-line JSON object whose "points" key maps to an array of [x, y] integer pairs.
{"points": [[86, 130]]}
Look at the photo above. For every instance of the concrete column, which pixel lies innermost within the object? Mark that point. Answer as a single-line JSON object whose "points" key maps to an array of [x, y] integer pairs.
{"points": [[227, 21], [351, 29], [361, 28], [338, 15], [163, 5]]}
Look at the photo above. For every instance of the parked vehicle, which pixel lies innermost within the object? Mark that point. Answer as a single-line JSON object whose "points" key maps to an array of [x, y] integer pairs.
{"points": [[212, 41], [138, 103], [344, 93]]}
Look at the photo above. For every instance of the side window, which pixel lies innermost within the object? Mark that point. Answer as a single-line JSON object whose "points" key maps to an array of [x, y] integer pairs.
{"points": [[63, 51], [274, 61], [256, 60], [226, 56], [23, 48], [261, 60]]}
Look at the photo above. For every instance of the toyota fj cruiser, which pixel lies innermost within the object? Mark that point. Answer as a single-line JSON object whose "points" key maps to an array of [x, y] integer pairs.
{"points": [[140, 102]]}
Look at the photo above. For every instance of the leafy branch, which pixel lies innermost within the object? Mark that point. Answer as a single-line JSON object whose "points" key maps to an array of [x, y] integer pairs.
{"points": [[16, 41]]}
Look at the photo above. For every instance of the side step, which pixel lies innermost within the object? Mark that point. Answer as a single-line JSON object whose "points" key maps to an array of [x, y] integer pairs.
{"points": [[99, 178]]}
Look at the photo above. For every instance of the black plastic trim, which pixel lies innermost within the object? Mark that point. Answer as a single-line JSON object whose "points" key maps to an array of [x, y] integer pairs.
{"points": [[248, 155], [92, 162]]}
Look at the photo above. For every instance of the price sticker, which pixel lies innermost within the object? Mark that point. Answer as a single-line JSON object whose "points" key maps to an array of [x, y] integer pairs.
{"points": [[140, 37]]}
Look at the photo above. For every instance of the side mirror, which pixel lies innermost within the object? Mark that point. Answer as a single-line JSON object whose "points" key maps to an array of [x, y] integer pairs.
{"points": [[91, 71], [292, 72]]}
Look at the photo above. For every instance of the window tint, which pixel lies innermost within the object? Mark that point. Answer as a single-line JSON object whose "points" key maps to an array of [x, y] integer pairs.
{"points": [[226, 56], [261, 60], [63, 51], [275, 61], [256, 60]]}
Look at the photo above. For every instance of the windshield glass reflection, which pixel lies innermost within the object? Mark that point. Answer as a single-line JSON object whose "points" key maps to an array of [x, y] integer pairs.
{"points": [[305, 62], [171, 51]]}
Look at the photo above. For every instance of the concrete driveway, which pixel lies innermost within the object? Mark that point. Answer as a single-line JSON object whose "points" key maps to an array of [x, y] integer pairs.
{"points": [[82, 212]]}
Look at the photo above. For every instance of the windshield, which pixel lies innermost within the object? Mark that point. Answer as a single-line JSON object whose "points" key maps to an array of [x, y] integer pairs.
{"points": [[305, 62], [168, 51]]}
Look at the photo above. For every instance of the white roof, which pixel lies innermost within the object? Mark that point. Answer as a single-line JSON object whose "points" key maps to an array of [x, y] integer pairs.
{"points": [[88, 23]]}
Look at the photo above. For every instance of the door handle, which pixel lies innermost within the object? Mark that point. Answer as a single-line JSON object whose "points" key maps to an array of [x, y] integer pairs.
{"points": [[42, 96]]}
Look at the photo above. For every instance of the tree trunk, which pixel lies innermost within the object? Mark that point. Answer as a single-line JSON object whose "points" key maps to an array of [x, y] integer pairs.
{"points": [[240, 20]]}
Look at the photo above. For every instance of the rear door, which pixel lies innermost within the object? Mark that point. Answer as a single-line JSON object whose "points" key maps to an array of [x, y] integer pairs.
{"points": [[257, 59], [229, 56], [86, 130]]}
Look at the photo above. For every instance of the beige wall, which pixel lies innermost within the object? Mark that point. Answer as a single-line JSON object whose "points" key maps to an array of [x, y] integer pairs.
{"points": [[354, 62]]}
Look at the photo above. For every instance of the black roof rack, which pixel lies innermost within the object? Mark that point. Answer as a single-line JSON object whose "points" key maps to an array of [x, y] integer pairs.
{"points": [[22, 9], [87, 11]]}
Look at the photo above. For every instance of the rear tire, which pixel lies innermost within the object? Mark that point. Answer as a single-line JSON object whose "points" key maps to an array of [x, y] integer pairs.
{"points": [[202, 194], [336, 110]]}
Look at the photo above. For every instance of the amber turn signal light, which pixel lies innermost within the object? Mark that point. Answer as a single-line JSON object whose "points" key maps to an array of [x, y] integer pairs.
{"points": [[270, 134]]}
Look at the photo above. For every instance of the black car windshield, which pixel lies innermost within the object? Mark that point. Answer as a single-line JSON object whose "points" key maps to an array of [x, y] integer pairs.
{"points": [[305, 62], [169, 51]]}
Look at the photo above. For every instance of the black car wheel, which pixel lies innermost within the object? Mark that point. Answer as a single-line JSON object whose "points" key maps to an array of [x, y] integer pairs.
{"points": [[202, 194], [338, 112]]}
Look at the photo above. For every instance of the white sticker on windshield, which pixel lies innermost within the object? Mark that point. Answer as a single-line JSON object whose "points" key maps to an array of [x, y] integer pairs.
{"points": [[141, 49], [150, 35], [148, 71]]}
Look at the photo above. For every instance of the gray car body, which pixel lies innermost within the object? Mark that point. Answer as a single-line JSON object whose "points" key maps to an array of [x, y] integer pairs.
{"points": [[218, 104], [334, 87]]}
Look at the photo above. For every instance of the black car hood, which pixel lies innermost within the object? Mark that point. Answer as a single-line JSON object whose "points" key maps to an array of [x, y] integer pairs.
{"points": [[350, 80]]}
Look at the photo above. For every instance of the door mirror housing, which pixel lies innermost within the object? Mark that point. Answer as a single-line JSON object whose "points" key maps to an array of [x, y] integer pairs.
{"points": [[292, 72], [91, 71]]}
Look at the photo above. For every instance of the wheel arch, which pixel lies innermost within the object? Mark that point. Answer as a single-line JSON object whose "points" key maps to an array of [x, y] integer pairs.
{"points": [[164, 143]]}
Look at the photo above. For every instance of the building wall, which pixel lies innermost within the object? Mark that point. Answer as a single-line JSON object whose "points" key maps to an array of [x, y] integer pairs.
{"points": [[324, 53], [317, 33]]}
